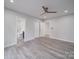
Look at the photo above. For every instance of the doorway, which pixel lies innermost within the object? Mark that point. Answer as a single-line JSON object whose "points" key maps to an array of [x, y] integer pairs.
{"points": [[20, 30]]}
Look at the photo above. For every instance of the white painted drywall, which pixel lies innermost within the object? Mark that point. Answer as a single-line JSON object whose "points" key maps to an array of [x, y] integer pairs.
{"points": [[10, 28], [61, 28]]}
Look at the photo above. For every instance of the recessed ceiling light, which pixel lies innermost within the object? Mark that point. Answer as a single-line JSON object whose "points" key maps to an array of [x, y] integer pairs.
{"points": [[12, 1], [66, 11]]}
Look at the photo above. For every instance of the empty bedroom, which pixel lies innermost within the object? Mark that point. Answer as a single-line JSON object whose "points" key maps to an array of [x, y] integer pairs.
{"points": [[39, 29]]}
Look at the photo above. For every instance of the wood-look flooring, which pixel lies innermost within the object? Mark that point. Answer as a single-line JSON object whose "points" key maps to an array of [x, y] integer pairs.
{"points": [[41, 48]]}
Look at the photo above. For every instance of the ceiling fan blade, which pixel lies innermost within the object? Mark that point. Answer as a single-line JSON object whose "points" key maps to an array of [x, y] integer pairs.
{"points": [[51, 12], [46, 10]]}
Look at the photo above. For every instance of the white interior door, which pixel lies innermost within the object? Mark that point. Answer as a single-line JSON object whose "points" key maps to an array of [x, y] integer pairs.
{"points": [[42, 29], [37, 29]]}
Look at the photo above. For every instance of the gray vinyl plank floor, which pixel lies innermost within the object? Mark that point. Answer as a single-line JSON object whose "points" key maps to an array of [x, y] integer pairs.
{"points": [[41, 48]]}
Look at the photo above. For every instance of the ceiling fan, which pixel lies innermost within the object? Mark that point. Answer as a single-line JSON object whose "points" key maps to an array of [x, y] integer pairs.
{"points": [[46, 10]]}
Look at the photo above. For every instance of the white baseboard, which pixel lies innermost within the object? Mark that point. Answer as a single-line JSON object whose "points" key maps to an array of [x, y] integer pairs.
{"points": [[5, 46], [62, 39]]}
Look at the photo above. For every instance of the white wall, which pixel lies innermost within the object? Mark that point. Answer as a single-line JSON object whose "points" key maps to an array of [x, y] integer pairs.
{"points": [[11, 18], [10, 28], [61, 28]]}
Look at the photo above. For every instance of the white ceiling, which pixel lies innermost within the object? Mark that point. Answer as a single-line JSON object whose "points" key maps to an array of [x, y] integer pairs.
{"points": [[33, 7]]}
